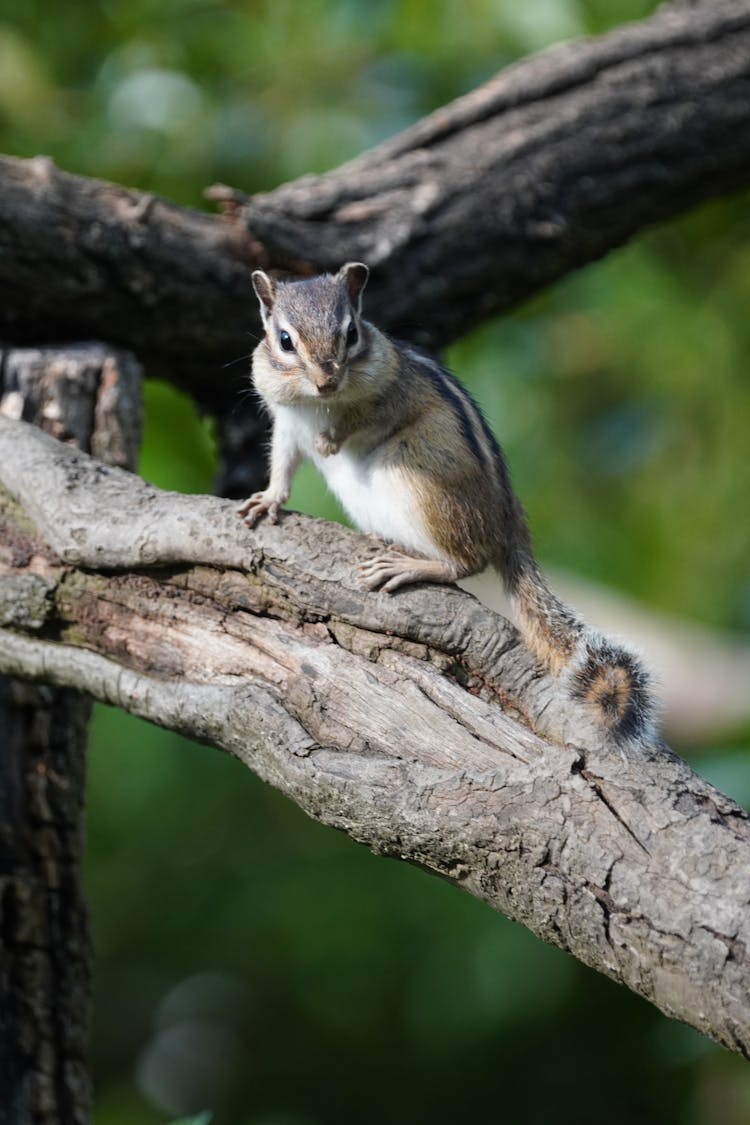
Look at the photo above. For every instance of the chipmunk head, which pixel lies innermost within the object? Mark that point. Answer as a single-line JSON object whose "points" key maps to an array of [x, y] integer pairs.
{"points": [[313, 328]]}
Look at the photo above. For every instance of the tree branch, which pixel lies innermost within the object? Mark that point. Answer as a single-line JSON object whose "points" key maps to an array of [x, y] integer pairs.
{"points": [[549, 165], [416, 723]]}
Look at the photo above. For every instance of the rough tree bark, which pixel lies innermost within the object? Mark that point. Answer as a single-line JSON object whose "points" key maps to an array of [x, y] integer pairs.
{"points": [[87, 396], [416, 723]]}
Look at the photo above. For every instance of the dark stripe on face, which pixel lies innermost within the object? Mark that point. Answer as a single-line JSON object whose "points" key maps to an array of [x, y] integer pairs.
{"points": [[275, 363]]}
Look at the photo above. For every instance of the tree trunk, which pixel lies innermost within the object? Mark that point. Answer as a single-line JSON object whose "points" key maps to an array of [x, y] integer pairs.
{"points": [[416, 723], [45, 954], [87, 396]]}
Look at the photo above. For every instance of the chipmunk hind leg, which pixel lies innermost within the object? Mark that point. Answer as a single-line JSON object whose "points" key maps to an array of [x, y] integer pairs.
{"points": [[431, 533], [394, 568]]}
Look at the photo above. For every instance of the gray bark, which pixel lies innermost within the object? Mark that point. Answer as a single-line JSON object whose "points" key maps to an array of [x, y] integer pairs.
{"points": [[87, 396], [416, 723]]}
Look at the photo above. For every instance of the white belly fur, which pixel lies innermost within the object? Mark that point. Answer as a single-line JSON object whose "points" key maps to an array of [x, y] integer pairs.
{"points": [[379, 500], [376, 498]]}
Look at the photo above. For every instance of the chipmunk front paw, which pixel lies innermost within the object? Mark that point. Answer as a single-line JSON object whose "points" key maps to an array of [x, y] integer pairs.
{"points": [[261, 504], [326, 444]]}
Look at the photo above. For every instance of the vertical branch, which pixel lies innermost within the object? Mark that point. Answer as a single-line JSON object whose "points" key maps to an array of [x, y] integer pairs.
{"points": [[89, 396]]}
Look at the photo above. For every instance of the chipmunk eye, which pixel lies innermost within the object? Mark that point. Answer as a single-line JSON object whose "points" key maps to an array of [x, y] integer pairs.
{"points": [[286, 342], [351, 335]]}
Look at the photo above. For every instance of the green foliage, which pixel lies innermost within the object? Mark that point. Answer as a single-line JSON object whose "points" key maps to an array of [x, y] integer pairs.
{"points": [[248, 959], [178, 449]]}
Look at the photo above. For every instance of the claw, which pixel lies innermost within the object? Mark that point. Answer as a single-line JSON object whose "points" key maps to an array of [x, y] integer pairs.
{"points": [[326, 444], [388, 571], [394, 569], [257, 506]]}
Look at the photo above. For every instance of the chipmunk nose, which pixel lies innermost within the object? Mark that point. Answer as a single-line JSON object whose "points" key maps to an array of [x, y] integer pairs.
{"points": [[327, 378]]}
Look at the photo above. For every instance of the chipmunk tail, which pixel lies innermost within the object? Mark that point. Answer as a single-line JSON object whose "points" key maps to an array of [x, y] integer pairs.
{"points": [[612, 681], [601, 673]]}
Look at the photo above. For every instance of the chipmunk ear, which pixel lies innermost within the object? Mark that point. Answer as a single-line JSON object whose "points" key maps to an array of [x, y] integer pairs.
{"points": [[354, 275], [265, 291]]}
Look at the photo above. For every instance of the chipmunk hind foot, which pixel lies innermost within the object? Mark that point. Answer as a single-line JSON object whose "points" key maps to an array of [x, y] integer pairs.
{"points": [[614, 683]]}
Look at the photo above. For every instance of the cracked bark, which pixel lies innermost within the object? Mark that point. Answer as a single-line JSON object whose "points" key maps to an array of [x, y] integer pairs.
{"points": [[416, 723], [549, 165], [88, 396]]}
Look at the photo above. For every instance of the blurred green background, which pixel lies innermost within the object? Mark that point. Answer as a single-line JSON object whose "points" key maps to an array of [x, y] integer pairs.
{"points": [[249, 961]]}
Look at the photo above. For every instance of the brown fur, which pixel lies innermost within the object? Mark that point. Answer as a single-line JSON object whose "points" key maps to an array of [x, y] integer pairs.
{"points": [[550, 629], [611, 680], [611, 691]]}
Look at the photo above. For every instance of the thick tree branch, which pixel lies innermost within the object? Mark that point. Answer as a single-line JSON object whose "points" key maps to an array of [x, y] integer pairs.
{"points": [[415, 723], [546, 167]]}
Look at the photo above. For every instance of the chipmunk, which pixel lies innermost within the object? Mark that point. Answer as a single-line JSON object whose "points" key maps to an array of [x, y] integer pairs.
{"points": [[408, 453]]}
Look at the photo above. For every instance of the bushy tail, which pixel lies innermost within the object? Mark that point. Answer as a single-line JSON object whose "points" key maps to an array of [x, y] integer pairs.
{"points": [[602, 674], [613, 681]]}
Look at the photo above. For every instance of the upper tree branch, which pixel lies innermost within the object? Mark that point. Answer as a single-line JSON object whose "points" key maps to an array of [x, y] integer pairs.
{"points": [[415, 723], [546, 167]]}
